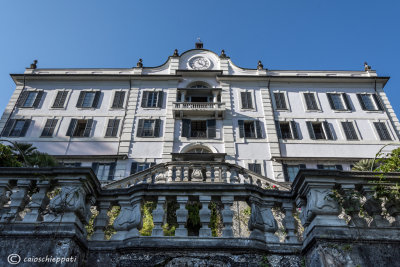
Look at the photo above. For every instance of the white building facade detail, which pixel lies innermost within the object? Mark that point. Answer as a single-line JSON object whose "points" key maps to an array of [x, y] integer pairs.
{"points": [[200, 106]]}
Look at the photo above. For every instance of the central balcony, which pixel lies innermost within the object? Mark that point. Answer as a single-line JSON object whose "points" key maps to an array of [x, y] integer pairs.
{"points": [[188, 109]]}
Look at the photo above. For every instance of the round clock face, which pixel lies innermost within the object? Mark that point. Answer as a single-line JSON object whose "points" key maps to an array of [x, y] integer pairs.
{"points": [[199, 63]]}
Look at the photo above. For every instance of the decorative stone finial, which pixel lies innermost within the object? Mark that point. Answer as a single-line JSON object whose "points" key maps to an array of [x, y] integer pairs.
{"points": [[367, 67], [260, 66], [176, 54], [199, 43], [140, 63], [223, 55], [34, 64]]}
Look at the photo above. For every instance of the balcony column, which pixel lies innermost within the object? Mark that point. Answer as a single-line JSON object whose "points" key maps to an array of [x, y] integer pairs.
{"points": [[181, 216], [205, 216], [289, 222], [208, 173], [158, 217], [38, 202], [19, 199], [215, 97], [227, 216], [101, 221], [183, 95], [185, 173]]}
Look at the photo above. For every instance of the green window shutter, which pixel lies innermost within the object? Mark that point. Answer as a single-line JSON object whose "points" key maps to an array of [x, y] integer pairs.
{"points": [[80, 99], [38, 99], [96, 99], [285, 172], [72, 126], [278, 129], [111, 173], [157, 128], [310, 130], [88, 128], [331, 101], [378, 102], [160, 99], [133, 168], [22, 98], [140, 128], [328, 131], [25, 128], [241, 128], [144, 99], [258, 129], [361, 102], [95, 167], [115, 127], [7, 128], [211, 128], [346, 99], [186, 128], [295, 131], [244, 99]]}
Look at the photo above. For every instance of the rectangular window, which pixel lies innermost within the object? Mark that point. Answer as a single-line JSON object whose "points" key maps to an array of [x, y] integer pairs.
{"points": [[80, 128], [71, 164], [149, 128], [330, 167], [119, 98], [104, 171], [369, 102], [280, 101], [59, 102], [290, 171], [29, 99], [382, 130], [151, 99], [286, 133], [16, 128], [138, 167], [199, 128], [255, 167], [250, 129], [247, 102], [319, 130], [112, 128], [349, 130], [49, 127], [88, 99], [311, 102], [287, 130]]}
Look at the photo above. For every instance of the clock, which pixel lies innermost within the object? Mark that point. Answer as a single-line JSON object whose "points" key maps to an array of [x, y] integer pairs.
{"points": [[199, 63]]}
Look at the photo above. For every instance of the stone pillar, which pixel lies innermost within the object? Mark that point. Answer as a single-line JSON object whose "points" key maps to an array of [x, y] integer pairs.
{"points": [[227, 216], [205, 215], [186, 174], [158, 217], [183, 95], [289, 222], [224, 174], [101, 221], [208, 173], [217, 176], [178, 174], [256, 222], [38, 202], [234, 176], [19, 199], [170, 172], [181, 216]]}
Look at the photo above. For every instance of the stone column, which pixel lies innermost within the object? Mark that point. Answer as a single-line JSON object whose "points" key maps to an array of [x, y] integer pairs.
{"points": [[101, 221], [178, 174], [170, 172], [217, 176], [181, 216], [289, 222], [205, 215], [158, 217], [227, 216], [38, 202], [186, 174]]}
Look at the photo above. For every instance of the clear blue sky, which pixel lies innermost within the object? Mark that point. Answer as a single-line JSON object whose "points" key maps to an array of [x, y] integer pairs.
{"points": [[307, 34]]}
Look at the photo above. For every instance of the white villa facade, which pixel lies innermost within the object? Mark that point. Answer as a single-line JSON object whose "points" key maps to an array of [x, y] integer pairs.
{"points": [[200, 106]]}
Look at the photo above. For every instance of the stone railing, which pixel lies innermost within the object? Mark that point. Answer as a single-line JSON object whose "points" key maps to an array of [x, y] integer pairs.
{"points": [[199, 105], [197, 172], [52, 210]]}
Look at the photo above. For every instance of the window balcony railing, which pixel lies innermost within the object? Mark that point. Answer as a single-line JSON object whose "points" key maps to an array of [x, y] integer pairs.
{"points": [[198, 108]]}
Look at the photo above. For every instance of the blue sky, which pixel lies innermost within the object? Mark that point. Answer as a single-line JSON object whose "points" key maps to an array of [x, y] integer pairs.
{"points": [[308, 34]]}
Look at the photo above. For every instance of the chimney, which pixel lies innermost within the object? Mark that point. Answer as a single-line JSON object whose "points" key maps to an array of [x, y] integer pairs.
{"points": [[199, 44]]}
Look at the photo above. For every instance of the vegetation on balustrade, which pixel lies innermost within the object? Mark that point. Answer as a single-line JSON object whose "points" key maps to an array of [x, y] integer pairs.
{"points": [[216, 224], [24, 154], [352, 200]]}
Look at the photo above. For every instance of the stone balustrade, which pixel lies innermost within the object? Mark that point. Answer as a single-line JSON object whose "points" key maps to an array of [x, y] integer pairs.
{"points": [[36, 202]]}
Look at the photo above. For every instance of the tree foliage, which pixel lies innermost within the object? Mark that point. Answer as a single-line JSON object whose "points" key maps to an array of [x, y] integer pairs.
{"points": [[8, 158], [24, 154]]}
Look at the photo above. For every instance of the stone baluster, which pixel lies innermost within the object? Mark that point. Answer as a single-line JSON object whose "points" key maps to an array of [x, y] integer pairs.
{"points": [[128, 219], [289, 222], [158, 217], [185, 173], [270, 224], [181, 216], [170, 173], [217, 174], [373, 207], [19, 199], [234, 176], [178, 174], [38, 202], [227, 216], [352, 205], [256, 222], [208, 173], [148, 178], [161, 175], [101, 221], [224, 169], [205, 215]]}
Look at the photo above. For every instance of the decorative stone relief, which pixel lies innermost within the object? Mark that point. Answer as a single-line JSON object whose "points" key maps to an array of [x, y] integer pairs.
{"points": [[128, 220]]}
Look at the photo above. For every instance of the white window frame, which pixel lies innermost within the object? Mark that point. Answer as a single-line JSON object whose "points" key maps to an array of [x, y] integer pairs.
{"points": [[390, 131], [303, 99], [285, 93], [356, 128], [113, 96], [56, 128], [66, 99], [343, 102]]}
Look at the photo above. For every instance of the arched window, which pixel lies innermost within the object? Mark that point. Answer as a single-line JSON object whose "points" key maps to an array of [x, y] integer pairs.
{"points": [[199, 150], [199, 85]]}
